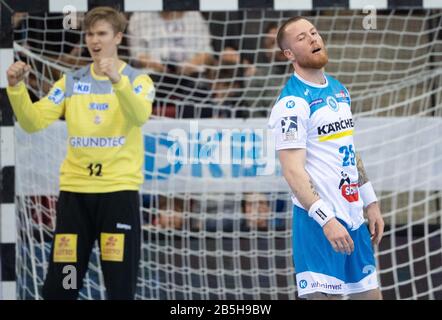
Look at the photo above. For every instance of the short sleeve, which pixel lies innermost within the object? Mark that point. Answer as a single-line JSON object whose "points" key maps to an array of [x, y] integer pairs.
{"points": [[289, 123]]}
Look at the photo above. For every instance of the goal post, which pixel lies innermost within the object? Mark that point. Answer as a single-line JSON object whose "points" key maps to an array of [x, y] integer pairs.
{"points": [[216, 211]]}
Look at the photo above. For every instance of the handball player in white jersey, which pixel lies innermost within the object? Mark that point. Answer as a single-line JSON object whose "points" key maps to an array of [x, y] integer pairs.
{"points": [[313, 128]]}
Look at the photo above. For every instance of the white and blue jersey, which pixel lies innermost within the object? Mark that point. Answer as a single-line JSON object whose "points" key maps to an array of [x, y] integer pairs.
{"points": [[318, 118]]}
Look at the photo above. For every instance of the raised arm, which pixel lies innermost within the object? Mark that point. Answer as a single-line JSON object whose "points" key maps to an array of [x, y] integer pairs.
{"points": [[136, 106], [36, 116]]}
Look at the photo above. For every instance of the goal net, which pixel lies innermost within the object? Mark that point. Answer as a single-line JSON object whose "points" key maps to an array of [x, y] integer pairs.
{"points": [[217, 219]]}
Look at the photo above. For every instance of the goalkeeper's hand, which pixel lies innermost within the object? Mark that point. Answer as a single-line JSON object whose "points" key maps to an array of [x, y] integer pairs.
{"points": [[109, 66], [17, 72]]}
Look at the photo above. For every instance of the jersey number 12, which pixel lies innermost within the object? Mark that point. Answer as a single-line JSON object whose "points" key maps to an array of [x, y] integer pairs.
{"points": [[95, 169]]}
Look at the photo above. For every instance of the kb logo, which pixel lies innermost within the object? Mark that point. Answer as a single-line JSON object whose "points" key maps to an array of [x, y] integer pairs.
{"points": [[303, 284]]}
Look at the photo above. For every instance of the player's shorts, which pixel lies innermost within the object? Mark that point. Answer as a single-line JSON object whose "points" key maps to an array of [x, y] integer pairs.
{"points": [[112, 218], [321, 269]]}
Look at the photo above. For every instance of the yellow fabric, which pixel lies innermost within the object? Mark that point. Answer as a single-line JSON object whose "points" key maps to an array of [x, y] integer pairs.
{"points": [[112, 246], [65, 247], [105, 147], [335, 136], [37, 116]]}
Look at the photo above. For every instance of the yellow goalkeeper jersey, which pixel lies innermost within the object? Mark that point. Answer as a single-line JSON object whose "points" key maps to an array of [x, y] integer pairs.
{"points": [[104, 120]]}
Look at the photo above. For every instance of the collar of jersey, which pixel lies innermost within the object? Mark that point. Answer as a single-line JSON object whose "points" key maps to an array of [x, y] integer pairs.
{"points": [[312, 84], [97, 77]]}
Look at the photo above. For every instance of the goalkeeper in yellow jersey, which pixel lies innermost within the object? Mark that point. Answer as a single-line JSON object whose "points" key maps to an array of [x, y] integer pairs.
{"points": [[105, 104]]}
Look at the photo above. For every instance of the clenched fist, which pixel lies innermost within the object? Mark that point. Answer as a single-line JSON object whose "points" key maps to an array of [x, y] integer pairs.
{"points": [[109, 67], [17, 72]]}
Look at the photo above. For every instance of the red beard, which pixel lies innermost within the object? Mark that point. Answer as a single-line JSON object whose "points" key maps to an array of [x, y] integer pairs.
{"points": [[314, 61]]}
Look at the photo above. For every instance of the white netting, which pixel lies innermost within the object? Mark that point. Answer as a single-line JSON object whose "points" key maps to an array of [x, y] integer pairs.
{"points": [[197, 242]]}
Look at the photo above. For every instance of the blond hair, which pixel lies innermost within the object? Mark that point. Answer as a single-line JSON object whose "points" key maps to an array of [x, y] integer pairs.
{"points": [[108, 14]]}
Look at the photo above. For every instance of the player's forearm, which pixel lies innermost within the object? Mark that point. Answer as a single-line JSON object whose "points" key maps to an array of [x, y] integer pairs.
{"points": [[304, 190], [366, 190], [28, 117], [302, 186], [134, 107], [363, 178]]}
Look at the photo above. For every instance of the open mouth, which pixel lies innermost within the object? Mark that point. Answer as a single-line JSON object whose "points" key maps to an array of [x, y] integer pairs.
{"points": [[96, 50], [316, 50]]}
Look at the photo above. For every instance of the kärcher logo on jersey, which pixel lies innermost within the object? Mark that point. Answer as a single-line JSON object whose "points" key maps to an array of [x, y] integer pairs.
{"points": [[97, 142], [336, 126]]}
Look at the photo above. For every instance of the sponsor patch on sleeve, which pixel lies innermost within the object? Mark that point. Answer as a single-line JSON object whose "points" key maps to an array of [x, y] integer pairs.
{"points": [[56, 96], [289, 128], [138, 89], [65, 247], [112, 246], [150, 96]]}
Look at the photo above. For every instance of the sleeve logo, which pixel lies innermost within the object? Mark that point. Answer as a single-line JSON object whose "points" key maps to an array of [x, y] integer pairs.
{"points": [[150, 96], [289, 128], [56, 96], [138, 89], [290, 104]]}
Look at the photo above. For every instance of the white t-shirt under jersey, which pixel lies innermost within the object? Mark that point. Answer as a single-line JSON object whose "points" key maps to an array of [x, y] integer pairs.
{"points": [[318, 118]]}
